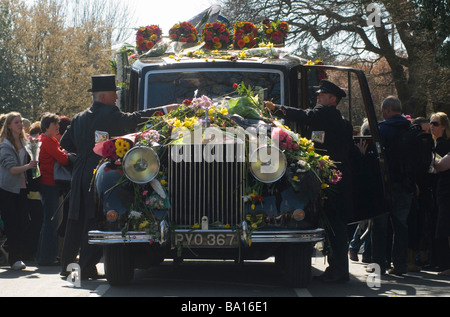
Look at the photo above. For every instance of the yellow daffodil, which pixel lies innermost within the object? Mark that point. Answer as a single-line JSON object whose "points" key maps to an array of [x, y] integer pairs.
{"points": [[143, 225], [303, 141], [175, 122], [323, 186]]}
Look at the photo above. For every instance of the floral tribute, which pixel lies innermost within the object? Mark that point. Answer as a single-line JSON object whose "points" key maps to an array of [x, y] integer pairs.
{"points": [[246, 35], [306, 168], [147, 37], [183, 32], [216, 36], [115, 148], [33, 147], [275, 32]]}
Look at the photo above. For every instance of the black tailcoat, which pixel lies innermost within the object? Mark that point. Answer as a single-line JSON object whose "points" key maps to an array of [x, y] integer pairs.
{"points": [[80, 139]]}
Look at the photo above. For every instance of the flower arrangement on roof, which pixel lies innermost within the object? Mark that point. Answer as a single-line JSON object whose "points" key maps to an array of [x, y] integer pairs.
{"points": [[275, 31], [183, 32], [147, 37], [321, 73], [216, 36], [246, 35]]}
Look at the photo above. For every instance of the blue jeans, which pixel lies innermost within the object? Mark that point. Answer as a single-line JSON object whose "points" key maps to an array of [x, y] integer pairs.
{"points": [[48, 240], [356, 242], [400, 210]]}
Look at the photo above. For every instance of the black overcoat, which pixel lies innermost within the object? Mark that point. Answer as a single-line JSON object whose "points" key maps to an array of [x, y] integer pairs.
{"points": [[337, 143], [79, 138]]}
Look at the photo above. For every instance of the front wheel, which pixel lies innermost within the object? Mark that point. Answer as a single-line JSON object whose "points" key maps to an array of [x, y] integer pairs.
{"points": [[296, 261], [119, 268]]}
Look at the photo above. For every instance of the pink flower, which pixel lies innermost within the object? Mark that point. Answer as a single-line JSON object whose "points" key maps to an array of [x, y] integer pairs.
{"points": [[109, 150]]}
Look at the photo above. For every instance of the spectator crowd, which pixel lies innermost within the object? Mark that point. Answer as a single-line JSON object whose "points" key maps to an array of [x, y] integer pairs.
{"points": [[33, 209]]}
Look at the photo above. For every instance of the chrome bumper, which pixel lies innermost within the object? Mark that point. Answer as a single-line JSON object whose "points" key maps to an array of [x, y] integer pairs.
{"points": [[286, 236]]}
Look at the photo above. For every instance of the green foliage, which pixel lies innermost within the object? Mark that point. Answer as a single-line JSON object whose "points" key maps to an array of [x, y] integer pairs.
{"points": [[48, 52]]}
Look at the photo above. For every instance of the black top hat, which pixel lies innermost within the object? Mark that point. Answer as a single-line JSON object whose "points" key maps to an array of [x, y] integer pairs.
{"points": [[103, 83], [327, 87]]}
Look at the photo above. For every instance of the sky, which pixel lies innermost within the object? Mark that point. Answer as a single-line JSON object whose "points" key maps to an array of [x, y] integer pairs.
{"points": [[165, 13]]}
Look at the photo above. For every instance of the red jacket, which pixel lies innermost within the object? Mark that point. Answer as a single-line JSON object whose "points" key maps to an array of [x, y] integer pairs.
{"points": [[50, 153]]}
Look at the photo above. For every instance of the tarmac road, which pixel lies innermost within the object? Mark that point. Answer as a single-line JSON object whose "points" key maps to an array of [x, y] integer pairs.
{"points": [[220, 279]]}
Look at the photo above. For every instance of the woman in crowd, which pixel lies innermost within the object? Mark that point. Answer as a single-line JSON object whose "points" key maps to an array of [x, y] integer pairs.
{"points": [[50, 192], [440, 128], [14, 163]]}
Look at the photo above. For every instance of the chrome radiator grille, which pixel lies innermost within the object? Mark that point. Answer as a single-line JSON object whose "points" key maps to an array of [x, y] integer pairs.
{"points": [[211, 189]]}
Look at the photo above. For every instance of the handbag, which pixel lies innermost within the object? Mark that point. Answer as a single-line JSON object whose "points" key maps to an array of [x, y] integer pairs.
{"points": [[62, 174]]}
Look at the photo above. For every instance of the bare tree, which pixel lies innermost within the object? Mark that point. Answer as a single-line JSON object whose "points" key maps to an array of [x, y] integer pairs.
{"points": [[407, 33]]}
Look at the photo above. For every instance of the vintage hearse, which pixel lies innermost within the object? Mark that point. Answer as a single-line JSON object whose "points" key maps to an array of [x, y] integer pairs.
{"points": [[207, 215]]}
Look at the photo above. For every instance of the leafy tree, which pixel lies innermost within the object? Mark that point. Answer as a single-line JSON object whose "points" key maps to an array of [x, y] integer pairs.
{"points": [[11, 72], [50, 49]]}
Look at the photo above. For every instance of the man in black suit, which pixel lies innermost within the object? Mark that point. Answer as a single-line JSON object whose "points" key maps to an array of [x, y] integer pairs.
{"points": [[332, 135], [79, 138]]}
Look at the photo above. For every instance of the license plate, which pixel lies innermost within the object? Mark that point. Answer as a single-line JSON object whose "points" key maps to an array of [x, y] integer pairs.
{"points": [[206, 239]]}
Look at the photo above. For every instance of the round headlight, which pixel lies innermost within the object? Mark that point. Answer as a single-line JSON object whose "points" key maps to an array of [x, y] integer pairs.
{"points": [[141, 164], [268, 164]]}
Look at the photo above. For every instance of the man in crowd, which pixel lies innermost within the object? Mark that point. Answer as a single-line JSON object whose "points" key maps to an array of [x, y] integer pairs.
{"points": [[79, 138], [332, 134], [391, 109]]}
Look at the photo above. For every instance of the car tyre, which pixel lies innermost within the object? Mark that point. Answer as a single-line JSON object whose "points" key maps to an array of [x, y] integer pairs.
{"points": [[119, 268], [297, 264]]}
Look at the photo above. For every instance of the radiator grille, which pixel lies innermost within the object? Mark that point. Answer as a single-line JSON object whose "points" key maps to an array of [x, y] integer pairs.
{"points": [[212, 189]]}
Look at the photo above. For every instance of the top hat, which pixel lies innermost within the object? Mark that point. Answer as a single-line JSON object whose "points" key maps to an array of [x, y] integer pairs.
{"points": [[103, 83], [327, 87]]}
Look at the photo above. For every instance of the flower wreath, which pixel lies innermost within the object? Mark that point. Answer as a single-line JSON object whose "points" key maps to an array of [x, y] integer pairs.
{"points": [[275, 32], [245, 35], [183, 32], [216, 36], [147, 37]]}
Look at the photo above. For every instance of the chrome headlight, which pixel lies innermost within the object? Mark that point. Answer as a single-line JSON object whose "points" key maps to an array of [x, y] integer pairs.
{"points": [[268, 164], [141, 164]]}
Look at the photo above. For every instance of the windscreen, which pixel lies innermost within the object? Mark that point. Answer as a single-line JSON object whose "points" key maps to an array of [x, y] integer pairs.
{"points": [[174, 86]]}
